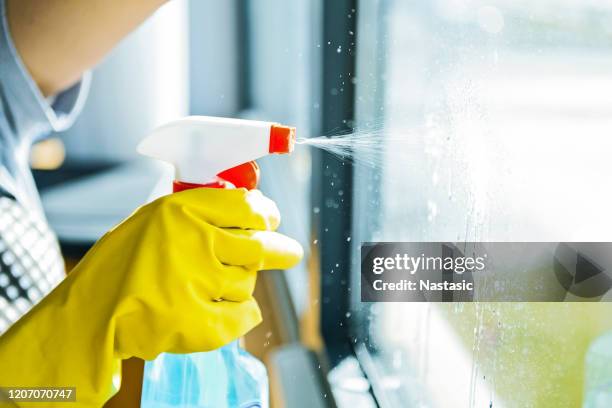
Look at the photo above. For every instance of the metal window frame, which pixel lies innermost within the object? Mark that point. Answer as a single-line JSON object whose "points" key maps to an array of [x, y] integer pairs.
{"points": [[359, 106], [333, 224], [371, 65]]}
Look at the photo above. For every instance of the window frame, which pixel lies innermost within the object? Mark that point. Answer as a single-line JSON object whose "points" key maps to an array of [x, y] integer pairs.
{"points": [[338, 231], [333, 223]]}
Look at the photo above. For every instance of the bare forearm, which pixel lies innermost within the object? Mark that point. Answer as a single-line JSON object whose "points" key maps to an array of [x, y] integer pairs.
{"points": [[59, 39]]}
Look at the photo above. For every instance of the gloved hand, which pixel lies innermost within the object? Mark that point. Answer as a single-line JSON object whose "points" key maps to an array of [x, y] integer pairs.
{"points": [[176, 276]]}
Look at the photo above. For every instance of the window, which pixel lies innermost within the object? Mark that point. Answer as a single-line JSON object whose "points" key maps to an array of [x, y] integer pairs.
{"points": [[495, 118]]}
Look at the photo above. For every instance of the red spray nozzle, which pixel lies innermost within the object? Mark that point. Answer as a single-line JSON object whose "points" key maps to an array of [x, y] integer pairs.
{"points": [[282, 139]]}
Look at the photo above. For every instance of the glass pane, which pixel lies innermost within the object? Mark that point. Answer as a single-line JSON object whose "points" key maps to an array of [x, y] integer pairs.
{"points": [[496, 121]]}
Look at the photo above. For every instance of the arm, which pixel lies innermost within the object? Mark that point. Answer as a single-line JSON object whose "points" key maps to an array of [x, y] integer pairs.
{"points": [[59, 39]]}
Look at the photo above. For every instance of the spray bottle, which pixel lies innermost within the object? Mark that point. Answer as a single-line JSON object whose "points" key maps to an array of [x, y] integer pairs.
{"points": [[218, 153]]}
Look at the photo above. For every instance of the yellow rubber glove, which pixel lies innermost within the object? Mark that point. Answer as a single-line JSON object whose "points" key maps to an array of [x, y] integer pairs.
{"points": [[176, 276]]}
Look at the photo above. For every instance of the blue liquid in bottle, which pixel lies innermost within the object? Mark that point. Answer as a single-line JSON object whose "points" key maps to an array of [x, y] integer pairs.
{"points": [[225, 378]]}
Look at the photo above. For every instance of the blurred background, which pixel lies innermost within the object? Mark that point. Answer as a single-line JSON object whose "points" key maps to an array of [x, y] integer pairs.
{"points": [[495, 119]]}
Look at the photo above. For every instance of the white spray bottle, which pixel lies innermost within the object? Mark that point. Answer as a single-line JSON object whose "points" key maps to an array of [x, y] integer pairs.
{"points": [[220, 153]]}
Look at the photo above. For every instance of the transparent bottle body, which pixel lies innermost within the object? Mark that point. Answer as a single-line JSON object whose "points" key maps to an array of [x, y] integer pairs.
{"points": [[228, 377]]}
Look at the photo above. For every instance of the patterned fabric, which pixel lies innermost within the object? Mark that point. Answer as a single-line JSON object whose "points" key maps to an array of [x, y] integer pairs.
{"points": [[30, 261]]}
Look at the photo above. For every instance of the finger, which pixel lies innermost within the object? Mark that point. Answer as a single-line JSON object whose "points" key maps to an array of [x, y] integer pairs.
{"points": [[280, 251], [229, 208], [227, 321], [238, 283], [258, 250]]}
